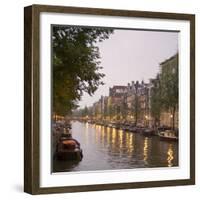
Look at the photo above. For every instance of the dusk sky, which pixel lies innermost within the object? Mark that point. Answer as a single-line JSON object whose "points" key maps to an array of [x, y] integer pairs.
{"points": [[131, 55]]}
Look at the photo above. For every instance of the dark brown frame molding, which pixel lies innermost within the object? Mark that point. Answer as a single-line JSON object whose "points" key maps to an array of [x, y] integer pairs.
{"points": [[32, 107]]}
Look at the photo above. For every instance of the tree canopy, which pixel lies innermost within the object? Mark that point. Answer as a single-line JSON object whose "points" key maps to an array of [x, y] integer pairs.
{"points": [[169, 84], [76, 65], [164, 93], [156, 100]]}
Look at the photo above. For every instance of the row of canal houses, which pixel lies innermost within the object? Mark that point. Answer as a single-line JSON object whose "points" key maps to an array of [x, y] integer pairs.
{"points": [[132, 103]]}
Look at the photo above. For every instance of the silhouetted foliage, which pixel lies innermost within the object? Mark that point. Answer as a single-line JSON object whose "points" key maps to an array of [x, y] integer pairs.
{"points": [[76, 64]]}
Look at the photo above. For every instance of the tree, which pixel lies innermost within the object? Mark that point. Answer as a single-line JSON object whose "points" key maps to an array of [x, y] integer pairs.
{"points": [[117, 112], [169, 87], [111, 111], [135, 104], [76, 64], [156, 104], [105, 111], [124, 109]]}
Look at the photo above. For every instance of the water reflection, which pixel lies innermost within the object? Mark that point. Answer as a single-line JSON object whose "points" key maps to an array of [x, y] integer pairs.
{"points": [[170, 156], [131, 143], [109, 148], [145, 150]]}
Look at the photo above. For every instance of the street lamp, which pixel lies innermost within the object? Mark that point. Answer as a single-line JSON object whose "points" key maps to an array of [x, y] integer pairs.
{"points": [[146, 119], [131, 118], [171, 121]]}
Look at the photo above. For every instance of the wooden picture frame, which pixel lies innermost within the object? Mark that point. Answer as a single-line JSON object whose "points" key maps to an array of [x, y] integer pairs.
{"points": [[32, 93]]}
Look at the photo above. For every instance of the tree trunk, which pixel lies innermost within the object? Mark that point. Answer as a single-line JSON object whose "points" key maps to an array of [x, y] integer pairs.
{"points": [[136, 118]]}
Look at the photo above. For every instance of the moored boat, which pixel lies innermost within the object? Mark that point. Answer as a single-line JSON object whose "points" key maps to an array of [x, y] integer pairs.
{"points": [[133, 129], [148, 132], [139, 129], [126, 127], [168, 135], [68, 148]]}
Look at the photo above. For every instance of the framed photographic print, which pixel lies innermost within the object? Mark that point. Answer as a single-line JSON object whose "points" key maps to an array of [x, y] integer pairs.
{"points": [[109, 99]]}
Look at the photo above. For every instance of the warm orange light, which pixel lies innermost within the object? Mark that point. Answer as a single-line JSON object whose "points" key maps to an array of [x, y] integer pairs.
{"points": [[170, 157], [145, 149]]}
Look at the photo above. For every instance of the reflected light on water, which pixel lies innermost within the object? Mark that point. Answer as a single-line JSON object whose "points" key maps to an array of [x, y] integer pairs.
{"points": [[170, 156], [97, 127], [114, 132], [102, 130], [86, 125], [107, 135], [102, 137], [127, 138], [145, 149], [120, 138], [96, 136], [108, 130], [86, 132], [106, 148], [129, 143]]}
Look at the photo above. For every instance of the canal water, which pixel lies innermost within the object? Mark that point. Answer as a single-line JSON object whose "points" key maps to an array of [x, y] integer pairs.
{"points": [[107, 148]]}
